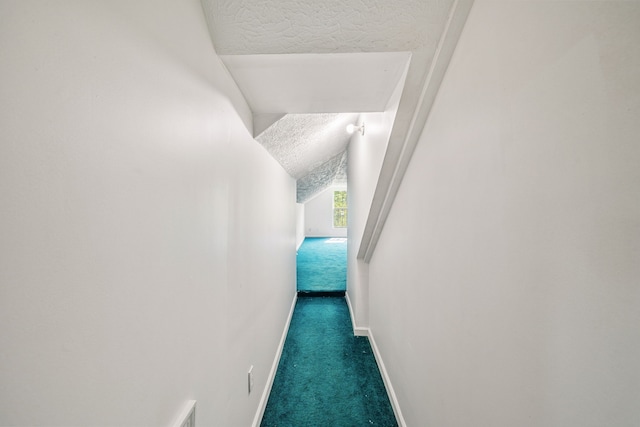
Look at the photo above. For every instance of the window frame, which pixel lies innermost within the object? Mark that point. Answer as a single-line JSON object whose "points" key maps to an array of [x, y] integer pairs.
{"points": [[340, 221]]}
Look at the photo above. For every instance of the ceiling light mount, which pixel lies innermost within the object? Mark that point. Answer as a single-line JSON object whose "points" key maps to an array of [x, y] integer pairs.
{"points": [[351, 128]]}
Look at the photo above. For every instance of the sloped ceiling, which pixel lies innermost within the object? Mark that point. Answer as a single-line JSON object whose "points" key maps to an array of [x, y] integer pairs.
{"points": [[317, 83], [302, 142], [296, 59], [331, 172], [311, 148]]}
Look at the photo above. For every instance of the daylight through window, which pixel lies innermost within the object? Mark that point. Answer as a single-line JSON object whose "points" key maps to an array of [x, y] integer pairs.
{"points": [[339, 209]]}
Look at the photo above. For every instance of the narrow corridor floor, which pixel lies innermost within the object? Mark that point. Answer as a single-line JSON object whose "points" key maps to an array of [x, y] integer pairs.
{"points": [[322, 265], [326, 376]]}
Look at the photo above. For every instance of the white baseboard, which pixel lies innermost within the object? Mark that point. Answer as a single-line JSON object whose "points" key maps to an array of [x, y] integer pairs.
{"points": [[387, 381], [274, 368], [357, 331], [366, 332]]}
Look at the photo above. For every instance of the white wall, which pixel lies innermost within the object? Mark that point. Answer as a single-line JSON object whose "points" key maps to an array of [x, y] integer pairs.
{"points": [[299, 224], [365, 156], [147, 249], [366, 153], [505, 287], [318, 215]]}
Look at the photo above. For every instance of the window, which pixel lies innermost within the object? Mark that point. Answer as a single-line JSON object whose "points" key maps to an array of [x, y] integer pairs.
{"points": [[339, 209]]}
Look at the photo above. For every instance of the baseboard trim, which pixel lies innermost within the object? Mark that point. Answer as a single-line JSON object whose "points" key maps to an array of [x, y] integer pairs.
{"points": [[366, 332], [357, 331], [274, 368], [386, 379]]}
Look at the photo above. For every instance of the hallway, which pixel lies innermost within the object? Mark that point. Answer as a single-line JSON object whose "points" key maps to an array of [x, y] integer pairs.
{"points": [[148, 237], [326, 376], [321, 265]]}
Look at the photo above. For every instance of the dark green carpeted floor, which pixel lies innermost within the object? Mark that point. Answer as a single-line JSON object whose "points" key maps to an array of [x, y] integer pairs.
{"points": [[326, 375], [322, 265]]}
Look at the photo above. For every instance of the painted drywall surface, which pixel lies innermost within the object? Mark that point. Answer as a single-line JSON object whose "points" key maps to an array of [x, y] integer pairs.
{"points": [[318, 215], [366, 153], [317, 83], [504, 290], [423, 79], [147, 243], [299, 224]]}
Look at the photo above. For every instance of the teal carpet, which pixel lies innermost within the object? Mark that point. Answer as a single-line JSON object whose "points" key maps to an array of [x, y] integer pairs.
{"points": [[326, 376], [322, 265]]}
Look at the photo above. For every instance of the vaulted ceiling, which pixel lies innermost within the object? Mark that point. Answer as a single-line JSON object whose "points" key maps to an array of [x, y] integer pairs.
{"points": [[311, 148], [309, 67]]}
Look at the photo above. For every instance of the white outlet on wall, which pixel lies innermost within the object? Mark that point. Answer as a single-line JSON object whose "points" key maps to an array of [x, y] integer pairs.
{"points": [[250, 379]]}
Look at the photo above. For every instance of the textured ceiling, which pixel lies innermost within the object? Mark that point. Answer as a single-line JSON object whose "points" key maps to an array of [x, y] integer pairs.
{"points": [[333, 171], [302, 142], [323, 56], [311, 148], [244, 27]]}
